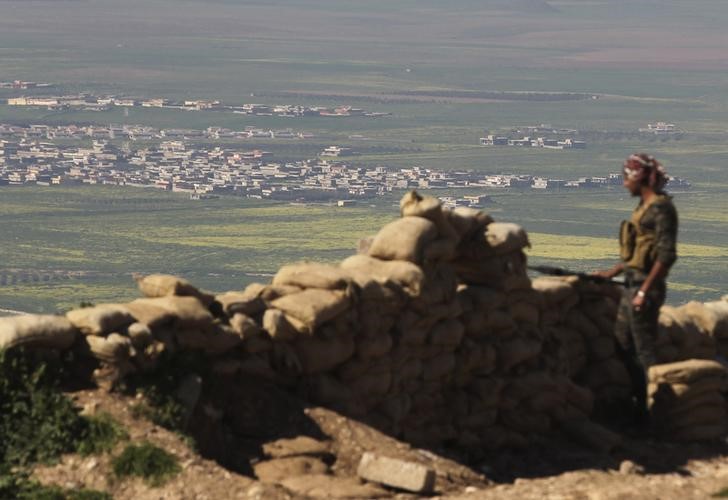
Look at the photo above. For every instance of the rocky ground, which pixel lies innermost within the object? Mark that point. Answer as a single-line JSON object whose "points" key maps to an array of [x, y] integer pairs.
{"points": [[324, 465]]}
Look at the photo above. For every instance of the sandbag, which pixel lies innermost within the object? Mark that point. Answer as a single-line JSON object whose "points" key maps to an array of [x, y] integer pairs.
{"points": [[245, 326], [719, 312], [487, 390], [439, 286], [101, 319], [248, 303], [429, 207], [482, 298], [319, 355], [162, 285], [215, 342], [503, 272], [268, 293], [675, 392], [403, 239], [469, 223], [554, 289], [448, 333], [37, 331], [440, 366], [372, 384], [515, 351], [140, 334], [312, 275], [114, 349], [686, 372], [407, 275], [179, 312], [374, 345], [313, 306], [505, 237], [700, 433], [278, 326]]}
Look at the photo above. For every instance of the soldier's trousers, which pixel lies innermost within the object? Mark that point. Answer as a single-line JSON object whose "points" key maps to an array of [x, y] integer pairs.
{"points": [[636, 333]]}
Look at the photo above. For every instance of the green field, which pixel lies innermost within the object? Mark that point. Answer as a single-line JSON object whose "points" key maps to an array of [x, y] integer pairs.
{"points": [[646, 60], [67, 245]]}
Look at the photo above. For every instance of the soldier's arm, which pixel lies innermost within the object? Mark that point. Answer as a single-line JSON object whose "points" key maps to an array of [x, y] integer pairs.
{"points": [[665, 247], [666, 234]]}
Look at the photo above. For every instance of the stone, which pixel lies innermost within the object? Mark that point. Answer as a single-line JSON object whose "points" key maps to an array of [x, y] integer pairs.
{"points": [[409, 476], [301, 445], [324, 486], [274, 471], [629, 467]]}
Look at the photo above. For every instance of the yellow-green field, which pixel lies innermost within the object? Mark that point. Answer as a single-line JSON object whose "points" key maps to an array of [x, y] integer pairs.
{"points": [[96, 237]]}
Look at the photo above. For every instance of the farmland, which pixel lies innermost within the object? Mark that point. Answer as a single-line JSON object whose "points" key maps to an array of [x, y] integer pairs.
{"points": [[418, 61], [95, 238]]}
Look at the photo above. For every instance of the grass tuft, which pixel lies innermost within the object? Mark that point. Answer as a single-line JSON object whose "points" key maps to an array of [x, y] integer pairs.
{"points": [[147, 461], [102, 433], [18, 486]]}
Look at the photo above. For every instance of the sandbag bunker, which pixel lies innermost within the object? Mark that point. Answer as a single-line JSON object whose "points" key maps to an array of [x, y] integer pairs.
{"points": [[433, 333]]}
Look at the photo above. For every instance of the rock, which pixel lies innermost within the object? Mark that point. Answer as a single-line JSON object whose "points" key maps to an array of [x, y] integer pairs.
{"points": [[323, 486], [396, 473], [274, 471], [629, 467], [301, 445], [90, 409]]}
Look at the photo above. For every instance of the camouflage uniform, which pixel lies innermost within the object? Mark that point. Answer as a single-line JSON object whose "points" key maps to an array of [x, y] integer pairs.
{"points": [[636, 330]]}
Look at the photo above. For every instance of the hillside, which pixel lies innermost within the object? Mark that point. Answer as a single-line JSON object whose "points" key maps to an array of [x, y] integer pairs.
{"points": [[427, 364]]}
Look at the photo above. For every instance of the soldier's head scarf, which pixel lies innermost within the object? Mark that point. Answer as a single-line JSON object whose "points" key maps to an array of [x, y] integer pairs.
{"points": [[646, 169]]}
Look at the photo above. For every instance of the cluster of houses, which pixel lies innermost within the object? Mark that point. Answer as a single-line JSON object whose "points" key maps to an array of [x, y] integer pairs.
{"points": [[203, 171], [661, 128], [23, 85], [534, 142], [547, 137], [142, 133], [88, 102]]}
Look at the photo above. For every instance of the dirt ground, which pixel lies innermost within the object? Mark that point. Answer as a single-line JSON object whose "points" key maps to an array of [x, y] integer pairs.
{"points": [[319, 460]]}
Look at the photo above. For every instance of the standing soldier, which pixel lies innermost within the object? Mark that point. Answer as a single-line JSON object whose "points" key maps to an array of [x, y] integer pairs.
{"points": [[647, 250]]}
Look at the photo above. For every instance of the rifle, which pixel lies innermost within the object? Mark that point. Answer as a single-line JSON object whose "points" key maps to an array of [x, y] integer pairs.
{"points": [[560, 271]]}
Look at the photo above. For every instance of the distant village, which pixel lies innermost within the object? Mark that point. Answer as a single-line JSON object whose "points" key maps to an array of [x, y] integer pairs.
{"points": [[32, 156], [550, 138], [90, 102]]}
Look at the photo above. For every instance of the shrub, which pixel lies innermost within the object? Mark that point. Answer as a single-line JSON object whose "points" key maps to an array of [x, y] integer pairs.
{"points": [[37, 422], [147, 461], [19, 487], [102, 433]]}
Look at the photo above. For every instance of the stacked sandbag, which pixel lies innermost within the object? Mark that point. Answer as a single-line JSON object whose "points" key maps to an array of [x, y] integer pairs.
{"points": [[434, 333], [605, 372], [687, 399], [125, 338], [164, 285], [685, 332], [495, 258], [717, 324], [579, 318], [30, 331]]}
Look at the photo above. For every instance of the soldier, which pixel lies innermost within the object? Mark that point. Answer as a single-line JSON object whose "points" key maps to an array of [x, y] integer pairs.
{"points": [[647, 251]]}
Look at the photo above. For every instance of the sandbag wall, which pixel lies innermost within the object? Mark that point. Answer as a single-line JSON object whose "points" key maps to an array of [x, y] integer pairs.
{"points": [[433, 333]]}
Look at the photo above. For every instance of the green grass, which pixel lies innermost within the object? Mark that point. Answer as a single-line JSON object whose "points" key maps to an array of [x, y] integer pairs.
{"points": [[106, 234], [18, 486], [147, 461], [37, 422], [102, 434], [720, 494]]}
